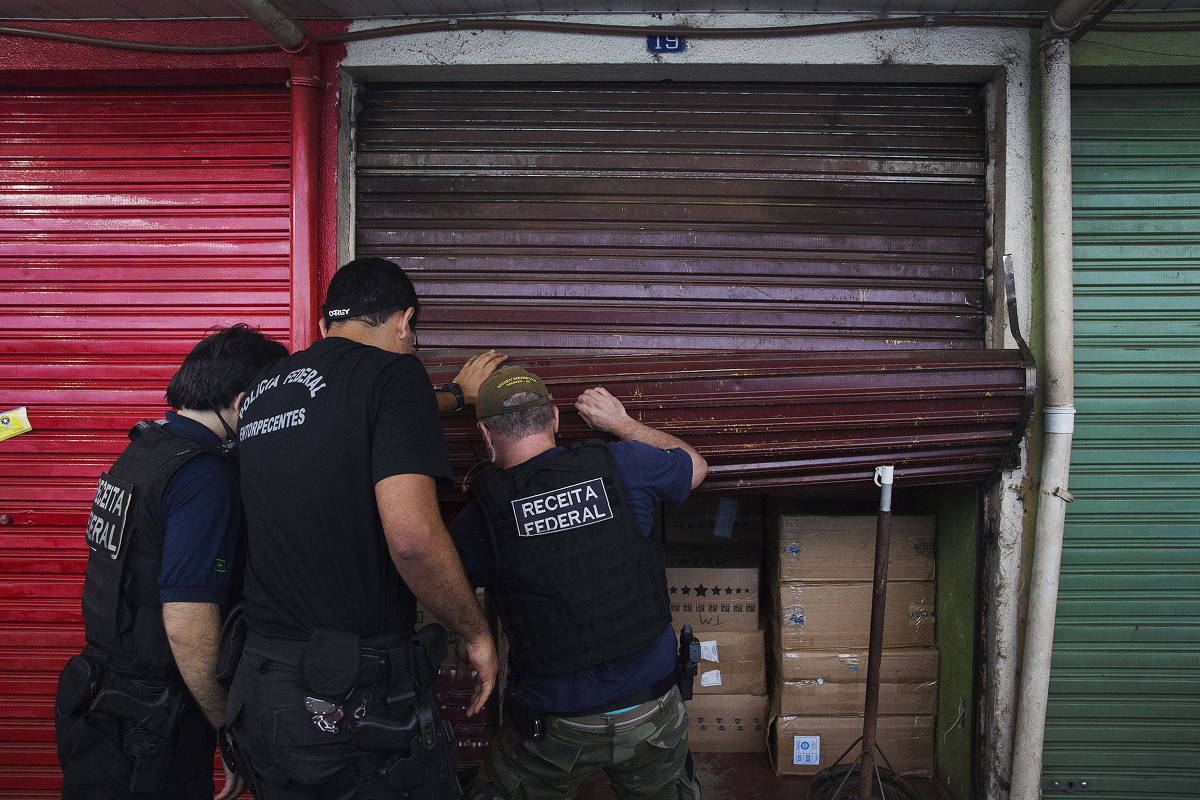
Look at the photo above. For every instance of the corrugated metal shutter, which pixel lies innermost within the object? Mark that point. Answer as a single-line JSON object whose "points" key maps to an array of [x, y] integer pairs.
{"points": [[772, 421], [130, 222], [660, 217], [1125, 684]]}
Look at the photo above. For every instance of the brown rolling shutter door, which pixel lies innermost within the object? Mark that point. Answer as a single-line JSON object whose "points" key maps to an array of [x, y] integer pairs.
{"points": [[663, 217]]}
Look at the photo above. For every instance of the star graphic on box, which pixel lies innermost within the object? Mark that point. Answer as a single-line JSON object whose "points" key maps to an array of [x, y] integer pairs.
{"points": [[728, 590], [673, 590], [687, 590], [701, 590]]}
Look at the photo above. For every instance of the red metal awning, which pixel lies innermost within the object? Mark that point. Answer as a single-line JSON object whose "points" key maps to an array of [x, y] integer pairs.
{"points": [[778, 421]]}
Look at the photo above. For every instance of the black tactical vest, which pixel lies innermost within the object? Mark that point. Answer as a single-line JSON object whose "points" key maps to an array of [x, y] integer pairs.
{"points": [[122, 613], [578, 583]]}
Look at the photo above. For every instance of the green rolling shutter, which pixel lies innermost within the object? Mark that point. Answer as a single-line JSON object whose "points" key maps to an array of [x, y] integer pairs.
{"points": [[1124, 710]]}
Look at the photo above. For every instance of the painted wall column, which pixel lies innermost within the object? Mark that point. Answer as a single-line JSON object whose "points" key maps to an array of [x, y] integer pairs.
{"points": [[1059, 379], [305, 84]]}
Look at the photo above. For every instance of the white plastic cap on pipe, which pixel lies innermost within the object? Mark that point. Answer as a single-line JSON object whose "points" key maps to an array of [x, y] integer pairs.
{"points": [[883, 475], [1060, 419]]}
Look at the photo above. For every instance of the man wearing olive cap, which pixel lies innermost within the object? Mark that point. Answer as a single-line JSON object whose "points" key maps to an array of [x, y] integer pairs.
{"points": [[561, 539]]}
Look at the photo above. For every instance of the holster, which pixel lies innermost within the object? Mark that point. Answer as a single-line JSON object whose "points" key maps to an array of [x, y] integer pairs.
{"points": [[76, 686], [232, 643], [687, 662], [150, 739], [419, 744], [422, 751]]}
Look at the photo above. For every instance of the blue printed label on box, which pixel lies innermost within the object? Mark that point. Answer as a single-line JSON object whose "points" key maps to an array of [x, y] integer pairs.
{"points": [[806, 750]]}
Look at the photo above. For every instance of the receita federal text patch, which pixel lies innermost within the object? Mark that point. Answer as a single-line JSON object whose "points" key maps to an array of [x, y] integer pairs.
{"points": [[570, 507]]}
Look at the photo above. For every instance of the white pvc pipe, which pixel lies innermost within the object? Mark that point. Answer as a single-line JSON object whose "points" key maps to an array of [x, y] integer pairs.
{"points": [[1060, 413]]}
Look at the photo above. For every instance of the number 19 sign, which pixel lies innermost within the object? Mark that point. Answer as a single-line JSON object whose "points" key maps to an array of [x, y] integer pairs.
{"points": [[666, 44]]}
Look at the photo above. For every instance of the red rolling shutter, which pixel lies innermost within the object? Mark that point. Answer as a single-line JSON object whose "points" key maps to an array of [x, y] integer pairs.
{"points": [[130, 223]]}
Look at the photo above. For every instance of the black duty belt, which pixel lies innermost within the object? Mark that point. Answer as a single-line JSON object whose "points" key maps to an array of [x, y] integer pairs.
{"points": [[373, 662]]}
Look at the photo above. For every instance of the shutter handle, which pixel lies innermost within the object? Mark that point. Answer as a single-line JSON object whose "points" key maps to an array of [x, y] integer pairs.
{"points": [[5, 519]]}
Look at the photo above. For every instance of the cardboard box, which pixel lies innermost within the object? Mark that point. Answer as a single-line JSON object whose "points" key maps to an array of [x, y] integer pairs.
{"points": [[807, 745], [818, 698], [896, 665], [830, 616], [713, 589], [732, 662], [842, 548], [706, 519], [727, 723]]}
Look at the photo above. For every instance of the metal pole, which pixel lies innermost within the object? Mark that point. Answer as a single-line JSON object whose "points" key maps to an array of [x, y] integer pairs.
{"points": [[306, 86], [883, 542]]}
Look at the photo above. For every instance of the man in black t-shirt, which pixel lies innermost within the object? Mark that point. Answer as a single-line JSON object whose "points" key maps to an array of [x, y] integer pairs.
{"points": [[341, 446]]}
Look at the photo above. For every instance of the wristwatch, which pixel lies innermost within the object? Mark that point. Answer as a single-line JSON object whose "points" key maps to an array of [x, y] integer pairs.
{"points": [[456, 390]]}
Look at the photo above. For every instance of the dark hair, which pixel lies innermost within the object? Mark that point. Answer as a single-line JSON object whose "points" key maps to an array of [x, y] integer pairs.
{"points": [[374, 283], [220, 366], [519, 424]]}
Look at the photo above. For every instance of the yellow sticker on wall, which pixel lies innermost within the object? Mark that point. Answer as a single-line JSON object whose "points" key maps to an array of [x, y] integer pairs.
{"points": [[13, 423]]}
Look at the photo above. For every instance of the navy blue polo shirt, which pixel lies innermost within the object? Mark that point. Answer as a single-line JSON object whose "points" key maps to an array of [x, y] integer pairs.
{"points": [[647, 474], [202, 514]]}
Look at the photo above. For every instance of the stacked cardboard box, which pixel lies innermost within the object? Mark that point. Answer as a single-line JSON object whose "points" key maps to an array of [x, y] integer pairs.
{"points": [[819, 611], [715, 589]]}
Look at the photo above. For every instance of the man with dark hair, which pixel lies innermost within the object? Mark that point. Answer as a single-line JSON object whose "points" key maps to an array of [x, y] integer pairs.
{"points": [[136, 711], [341, 450], [561, 539]]}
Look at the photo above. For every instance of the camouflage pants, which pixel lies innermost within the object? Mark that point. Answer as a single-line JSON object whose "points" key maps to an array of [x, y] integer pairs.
{"points": [[644, 752]]}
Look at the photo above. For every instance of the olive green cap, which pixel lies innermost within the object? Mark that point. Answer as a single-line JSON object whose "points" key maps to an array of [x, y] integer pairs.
{"points": [[505, 383]]}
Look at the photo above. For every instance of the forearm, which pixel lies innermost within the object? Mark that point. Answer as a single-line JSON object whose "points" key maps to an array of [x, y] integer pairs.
{"points": [[603, 412], [424, 554], [630, 430], [194, 633], [435, 576]]}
